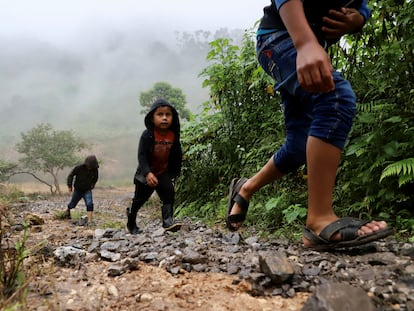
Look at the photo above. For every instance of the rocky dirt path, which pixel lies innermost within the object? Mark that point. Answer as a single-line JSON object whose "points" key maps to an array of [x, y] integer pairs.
{"points": [[102, 267]]}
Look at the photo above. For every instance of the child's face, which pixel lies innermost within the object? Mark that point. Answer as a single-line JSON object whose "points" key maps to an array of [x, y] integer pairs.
{"points": [[163, 118]]}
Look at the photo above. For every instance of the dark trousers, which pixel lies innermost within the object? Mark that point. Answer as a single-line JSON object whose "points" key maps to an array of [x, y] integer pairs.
{"points": [[143, 192]]}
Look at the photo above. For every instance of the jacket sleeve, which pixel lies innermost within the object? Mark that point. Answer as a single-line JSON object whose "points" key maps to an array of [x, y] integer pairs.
{"points": [[71, 175], [144, 152], [95, 178]]}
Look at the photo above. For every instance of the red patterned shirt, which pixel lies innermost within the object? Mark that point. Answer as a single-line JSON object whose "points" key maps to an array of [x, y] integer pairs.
{"points": [[161, 153]]}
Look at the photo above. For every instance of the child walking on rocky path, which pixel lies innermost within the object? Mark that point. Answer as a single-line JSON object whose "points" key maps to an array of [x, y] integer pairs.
{"points": [[159, 162], [85, 176]]}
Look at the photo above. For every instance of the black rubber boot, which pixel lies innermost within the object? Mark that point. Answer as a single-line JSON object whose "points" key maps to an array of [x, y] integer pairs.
{"points": [[66, 214], [167, 218], [131, 224]]}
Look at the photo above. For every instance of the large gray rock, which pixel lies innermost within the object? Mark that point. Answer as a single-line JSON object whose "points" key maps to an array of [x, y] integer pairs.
{"points": [[338, 297], [276, 266], [69, 255]]}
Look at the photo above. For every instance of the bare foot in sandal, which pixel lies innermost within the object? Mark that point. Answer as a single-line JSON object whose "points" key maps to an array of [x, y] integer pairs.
{"points": [[237, 205], [235, 211], [345, 232], [241, 190]]}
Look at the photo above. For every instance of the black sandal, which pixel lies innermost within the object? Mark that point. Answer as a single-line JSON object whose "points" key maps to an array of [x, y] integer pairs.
{"points": [[235, 197], [348, 228]]}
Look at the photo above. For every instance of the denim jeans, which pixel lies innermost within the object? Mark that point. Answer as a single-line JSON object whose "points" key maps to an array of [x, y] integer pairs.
{"points": [[78, 195], [327, 116]]}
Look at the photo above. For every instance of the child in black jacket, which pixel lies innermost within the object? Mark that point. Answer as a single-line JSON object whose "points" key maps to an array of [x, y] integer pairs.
{"points": [[86, 176], [159, 162]]}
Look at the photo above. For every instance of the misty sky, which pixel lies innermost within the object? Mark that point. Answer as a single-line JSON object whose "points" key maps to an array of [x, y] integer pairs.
{"points": [[63, 20]]}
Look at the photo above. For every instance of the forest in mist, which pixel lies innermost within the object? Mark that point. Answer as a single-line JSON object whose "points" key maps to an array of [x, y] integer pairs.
{"points": [[92, 86]]}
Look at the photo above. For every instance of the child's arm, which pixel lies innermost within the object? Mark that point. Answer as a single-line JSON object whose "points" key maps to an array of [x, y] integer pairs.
{"points": [[144, 158], [95, 179], [69, 180], [143, 152], [313, 66]]}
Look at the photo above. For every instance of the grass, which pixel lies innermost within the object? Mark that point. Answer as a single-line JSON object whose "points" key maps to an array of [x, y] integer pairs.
{"points": [[14, 273], [10, 193], [114, 224]]}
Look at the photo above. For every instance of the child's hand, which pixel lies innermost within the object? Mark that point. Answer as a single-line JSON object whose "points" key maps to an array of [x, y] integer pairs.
{"points": [[70, 189], [314, 68], [342, 22], [152, 180], [313, 65]]}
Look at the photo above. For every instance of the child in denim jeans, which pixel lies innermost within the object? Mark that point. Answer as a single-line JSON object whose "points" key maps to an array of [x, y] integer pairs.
{"points": [[319, 107], [81, 180]]}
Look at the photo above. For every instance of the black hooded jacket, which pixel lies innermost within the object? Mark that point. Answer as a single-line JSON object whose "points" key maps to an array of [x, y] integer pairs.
{"points": [[86, 174], [146, 144]]}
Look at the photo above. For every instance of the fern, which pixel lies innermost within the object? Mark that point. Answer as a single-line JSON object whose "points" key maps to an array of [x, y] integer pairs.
{"points": [[404, 169]]}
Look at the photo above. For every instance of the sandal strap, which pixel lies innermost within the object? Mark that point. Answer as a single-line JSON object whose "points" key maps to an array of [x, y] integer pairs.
{"points": [[242, 202], [347, 227], [313, 237], [235, 218], [235, 197], [244, 206]]}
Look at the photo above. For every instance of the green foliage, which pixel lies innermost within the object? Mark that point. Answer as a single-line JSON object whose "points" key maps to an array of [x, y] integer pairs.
{"points": [[404, 169], [294, 212], [114, 224], [6, 170], [280, 204], [236, 133], [48, 151], [74, 214], [377, 173], [164, 90]]}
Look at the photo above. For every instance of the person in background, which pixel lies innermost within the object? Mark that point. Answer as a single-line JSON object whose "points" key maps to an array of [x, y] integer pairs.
{"points": [[81, 180], [319, 107], [159, 162]]}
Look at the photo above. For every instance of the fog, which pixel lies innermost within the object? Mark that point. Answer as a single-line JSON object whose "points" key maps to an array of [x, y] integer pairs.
{"points": [[81, 65]]}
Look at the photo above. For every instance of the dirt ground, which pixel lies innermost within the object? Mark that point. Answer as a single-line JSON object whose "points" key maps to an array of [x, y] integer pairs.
{"points": [[88, 286]]}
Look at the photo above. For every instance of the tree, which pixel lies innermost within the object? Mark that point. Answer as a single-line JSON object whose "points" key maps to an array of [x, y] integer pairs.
{"points": [[7, 169], [164, 90], [48, 151]]}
